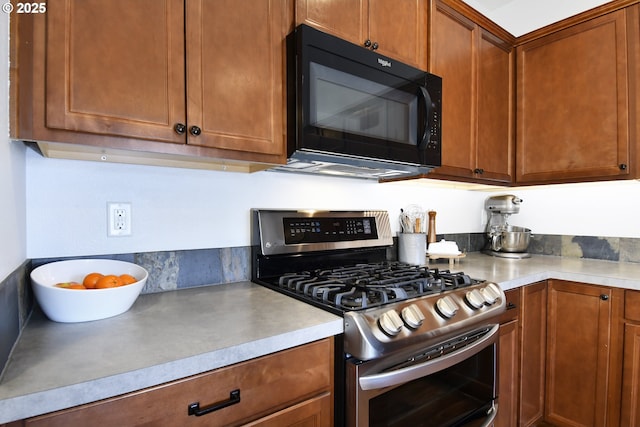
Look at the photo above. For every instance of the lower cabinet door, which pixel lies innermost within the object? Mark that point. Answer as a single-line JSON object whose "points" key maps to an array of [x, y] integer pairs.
{"points": [[630, 417], [508, 375], [581, 336], [533, 320]]}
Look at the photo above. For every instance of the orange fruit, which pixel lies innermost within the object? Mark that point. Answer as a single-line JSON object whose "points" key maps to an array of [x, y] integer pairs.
{"points": [[108, 281], [127, 279], [70, 285], [91, 279]]}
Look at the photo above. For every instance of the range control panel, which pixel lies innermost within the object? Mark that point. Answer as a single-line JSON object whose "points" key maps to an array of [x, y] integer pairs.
{"points": [[278, 232], [319, 229]]}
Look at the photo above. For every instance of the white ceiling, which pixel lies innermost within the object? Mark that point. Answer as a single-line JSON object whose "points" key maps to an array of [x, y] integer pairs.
{"points": [[523, 16]]}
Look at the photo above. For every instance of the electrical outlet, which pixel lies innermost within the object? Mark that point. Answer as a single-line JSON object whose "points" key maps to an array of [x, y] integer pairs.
{"points": [[118, 219]]}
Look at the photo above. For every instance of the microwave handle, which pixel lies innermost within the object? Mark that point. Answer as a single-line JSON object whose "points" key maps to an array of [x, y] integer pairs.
{"points": [[428, 114]]}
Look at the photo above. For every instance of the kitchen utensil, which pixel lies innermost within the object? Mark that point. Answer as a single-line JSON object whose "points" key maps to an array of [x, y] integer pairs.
{"points": [[431, 233], [406, 226], [412, 248], [511, 239], [416, 217]]}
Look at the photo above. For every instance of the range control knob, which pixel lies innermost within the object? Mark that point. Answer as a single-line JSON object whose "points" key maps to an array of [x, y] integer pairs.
{"points": [[474, 299], [491, 293], [412, 316], [390, 323], [447, 307]]}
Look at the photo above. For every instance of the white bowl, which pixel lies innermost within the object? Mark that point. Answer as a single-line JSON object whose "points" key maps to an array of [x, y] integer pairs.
{"points": [[73, 305]]}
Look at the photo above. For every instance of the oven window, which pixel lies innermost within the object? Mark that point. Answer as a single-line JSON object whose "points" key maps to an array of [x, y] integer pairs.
{"points": [[457, 396]]}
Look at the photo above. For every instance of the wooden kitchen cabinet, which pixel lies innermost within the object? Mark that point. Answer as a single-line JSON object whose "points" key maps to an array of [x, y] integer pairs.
{"points": [[577, 102], [397, 27], [509, 362], [533, 338], [477, 70], [171, 81], [630, 402], [289, 388], [583, 354]]}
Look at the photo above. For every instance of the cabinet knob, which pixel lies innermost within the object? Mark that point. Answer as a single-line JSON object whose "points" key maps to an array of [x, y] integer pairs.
{"points": [[604, 297], [367, 43], [180, 128], [195, 130], [479, 171], [623, 167], [374, 46]]}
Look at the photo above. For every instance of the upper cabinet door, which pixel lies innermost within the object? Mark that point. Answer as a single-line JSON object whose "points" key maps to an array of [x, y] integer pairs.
{"points": [[477, 84], [115, 69], [453, 58], [400, 30], [495, 109], [236, 56], [574, 101], [395, 28], [346, 19]]}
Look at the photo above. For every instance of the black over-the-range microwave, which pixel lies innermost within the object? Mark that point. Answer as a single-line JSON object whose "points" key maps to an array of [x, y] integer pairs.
{"points": [[354, 112]]}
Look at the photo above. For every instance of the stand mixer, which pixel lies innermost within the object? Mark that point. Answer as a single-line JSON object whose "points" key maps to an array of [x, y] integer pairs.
{"points": [[504, 240]]}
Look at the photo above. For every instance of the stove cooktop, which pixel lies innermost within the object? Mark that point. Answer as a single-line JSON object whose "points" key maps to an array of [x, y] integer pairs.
{"points": [[364, 286]]}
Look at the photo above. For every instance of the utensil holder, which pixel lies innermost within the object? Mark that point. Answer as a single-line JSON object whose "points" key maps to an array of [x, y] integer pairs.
{"points": [[412, 248]]}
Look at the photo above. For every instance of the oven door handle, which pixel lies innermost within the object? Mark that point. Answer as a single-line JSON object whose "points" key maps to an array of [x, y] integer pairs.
{"points": [[410, 373], [491, 415]]}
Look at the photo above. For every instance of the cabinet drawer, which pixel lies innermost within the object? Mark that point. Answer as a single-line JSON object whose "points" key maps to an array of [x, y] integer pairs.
{"points": [[313, 412], [513, 306], [267, 385], [632, 305]]}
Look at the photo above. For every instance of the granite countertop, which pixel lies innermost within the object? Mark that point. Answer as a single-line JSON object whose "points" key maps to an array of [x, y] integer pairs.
{"points": [[513, 273], [172, 335], [163, 337]]}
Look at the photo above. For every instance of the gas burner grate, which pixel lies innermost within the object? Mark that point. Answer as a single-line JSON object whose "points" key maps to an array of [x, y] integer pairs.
{"points": [[363, 286]]}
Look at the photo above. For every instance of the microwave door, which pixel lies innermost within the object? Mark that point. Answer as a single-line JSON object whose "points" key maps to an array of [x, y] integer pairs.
{"points": [[354, 106]]}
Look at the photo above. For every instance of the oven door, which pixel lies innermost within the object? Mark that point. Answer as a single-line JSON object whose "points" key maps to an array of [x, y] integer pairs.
{"points": [[449, 384]]}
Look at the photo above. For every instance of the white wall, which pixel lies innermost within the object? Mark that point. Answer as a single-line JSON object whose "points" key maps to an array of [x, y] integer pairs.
{"points": [[189, 209], [610, 209], [12, 174]]}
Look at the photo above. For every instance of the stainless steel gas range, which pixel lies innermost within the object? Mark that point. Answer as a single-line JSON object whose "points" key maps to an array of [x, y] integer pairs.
{"points": [[419, 347]]}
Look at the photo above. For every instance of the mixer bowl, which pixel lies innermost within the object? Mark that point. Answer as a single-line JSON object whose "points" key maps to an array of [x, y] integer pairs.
{"points": [[512, 239]]}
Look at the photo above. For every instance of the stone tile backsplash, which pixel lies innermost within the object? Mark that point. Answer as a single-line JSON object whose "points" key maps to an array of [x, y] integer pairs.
{"points": [[16, 301], [604, 248], [171, 270]]}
